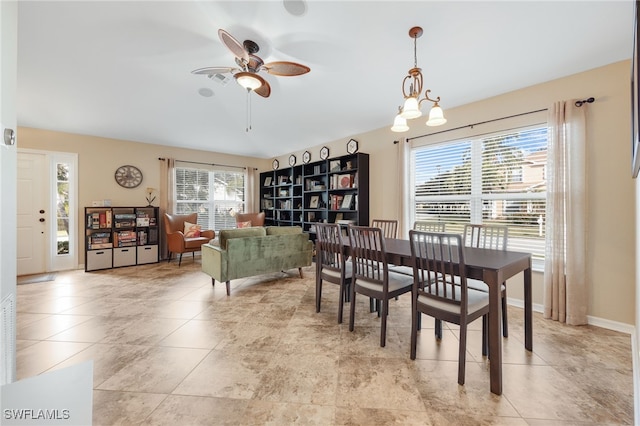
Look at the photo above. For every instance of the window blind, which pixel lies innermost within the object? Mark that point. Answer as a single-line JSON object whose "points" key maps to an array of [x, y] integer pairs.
{"points": [[498, 178]]}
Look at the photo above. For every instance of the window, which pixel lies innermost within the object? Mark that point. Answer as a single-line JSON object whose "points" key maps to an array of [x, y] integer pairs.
{"points": [[215, 194], [495, 179], [62, 208]]}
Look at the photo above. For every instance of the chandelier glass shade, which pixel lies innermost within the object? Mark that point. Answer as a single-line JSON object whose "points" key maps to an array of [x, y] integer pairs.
{"points": [[411, 90]]}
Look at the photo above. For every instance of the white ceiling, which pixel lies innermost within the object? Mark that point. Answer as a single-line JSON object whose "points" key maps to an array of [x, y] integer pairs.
{"points": [[123, 69]]}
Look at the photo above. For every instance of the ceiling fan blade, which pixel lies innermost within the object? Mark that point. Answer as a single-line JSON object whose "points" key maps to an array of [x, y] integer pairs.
{"points": [[284, 68], [213, 70], [264, 90], [233, 45]]}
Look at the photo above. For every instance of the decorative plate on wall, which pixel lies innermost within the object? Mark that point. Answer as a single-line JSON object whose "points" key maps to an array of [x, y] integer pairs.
{"points": [[324, 152], [292, 160], [275, 164], [306, 157], [352, 146], [128, 176]]}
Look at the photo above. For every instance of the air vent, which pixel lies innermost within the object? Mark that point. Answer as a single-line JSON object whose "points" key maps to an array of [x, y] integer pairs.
{"points": [[220, 78], [7, 339]]}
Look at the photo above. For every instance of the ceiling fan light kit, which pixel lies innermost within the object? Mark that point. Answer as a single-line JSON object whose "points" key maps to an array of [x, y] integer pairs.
{"points": [[248, 80], [411, 89]]}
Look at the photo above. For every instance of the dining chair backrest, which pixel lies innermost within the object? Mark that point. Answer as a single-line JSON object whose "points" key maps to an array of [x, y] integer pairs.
{"points": [[426, 226], [389, 227], [486, 236], [368, 254], [329, 247], [439, 268]]}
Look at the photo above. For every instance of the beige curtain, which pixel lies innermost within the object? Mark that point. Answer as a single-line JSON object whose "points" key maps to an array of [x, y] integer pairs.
{"points": [[251, 191], [565, 287], [166, 198], [403, 187]]}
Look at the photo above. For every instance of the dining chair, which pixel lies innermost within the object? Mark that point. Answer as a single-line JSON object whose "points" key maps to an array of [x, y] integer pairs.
{"points": [[491, 237], [427, 226], [440, 290], [419, 225], [389, 227], [331, 265], [371, 276]]}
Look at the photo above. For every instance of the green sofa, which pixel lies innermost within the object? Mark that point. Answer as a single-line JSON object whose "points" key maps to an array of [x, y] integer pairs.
{"points": [[246, 252]]}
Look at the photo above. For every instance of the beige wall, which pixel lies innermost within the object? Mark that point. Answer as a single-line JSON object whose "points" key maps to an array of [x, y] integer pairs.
{"points": [[98, 158], [611, 196]]}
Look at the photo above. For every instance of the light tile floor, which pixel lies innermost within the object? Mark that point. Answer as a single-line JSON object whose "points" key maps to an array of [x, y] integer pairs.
{"points": [[168, 348]]}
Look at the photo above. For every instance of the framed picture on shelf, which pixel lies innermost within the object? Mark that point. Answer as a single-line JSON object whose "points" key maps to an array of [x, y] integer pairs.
{"points": [[313, 202], [334, 165], [267, 181], [344, 181], [346, 202]]}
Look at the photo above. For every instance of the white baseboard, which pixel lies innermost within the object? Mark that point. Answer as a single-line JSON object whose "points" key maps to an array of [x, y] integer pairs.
{"points": [[591, 320], [636, 380]]}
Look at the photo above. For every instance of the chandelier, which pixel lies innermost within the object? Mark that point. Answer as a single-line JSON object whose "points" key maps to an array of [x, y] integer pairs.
{"points": [[411, 90]]}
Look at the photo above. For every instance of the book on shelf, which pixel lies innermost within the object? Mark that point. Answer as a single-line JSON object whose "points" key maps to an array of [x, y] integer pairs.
{"points": [[95, 246], [346, 202]]}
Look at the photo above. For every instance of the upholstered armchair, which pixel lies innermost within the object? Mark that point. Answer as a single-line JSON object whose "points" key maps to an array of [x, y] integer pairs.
{"points": [[181, 239], [256, 219]]}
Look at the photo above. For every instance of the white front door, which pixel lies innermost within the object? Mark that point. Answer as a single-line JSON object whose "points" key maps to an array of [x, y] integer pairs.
{"points": [[33, 217]]}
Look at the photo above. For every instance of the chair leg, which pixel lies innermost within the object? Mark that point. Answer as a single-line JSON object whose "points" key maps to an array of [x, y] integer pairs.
{"points": [[415, 324], [228, 288], [180, 260], [438, 329], [300, 272], [383, 326], [462, 353], [372, 307], [505, 327], [352, 311], [169, 257], [341, 302], [485, 336], [213, 282], [318, 293]]}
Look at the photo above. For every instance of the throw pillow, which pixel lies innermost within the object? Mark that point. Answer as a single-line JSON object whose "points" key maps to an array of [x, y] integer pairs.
{"points": [[246, 224], [191, 230]]}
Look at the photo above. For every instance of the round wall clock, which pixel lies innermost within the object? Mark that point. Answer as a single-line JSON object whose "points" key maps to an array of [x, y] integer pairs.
{"points": [[276, 164], [352, 146], [306, 157], [324, 152], [128, 176], [292, 160]]}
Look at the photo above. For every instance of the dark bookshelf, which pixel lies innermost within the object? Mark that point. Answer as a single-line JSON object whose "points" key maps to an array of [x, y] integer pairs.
{"points": [[335, 190]]}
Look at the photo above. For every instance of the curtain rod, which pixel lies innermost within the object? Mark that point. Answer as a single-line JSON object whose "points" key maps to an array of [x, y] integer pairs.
{"points": [[577, 103], [207, 164]]}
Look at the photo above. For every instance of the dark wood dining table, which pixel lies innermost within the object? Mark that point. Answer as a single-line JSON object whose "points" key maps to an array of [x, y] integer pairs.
{"points": [[493, 267]]}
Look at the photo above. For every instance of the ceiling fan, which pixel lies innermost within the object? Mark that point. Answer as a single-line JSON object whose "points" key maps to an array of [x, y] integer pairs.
{"points": [[250, 64]]}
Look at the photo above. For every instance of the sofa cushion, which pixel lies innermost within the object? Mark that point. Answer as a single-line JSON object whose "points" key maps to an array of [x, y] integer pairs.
{"points": [[227, 234], [283, 230]]}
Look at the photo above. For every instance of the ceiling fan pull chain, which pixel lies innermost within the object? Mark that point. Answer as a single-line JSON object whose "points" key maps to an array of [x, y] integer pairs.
{"points": [[248, 110]]}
